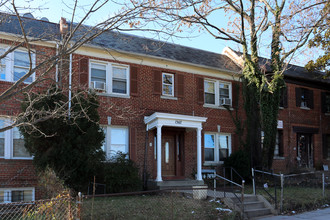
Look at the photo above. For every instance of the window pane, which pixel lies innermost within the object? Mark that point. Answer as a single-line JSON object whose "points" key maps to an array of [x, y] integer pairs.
{"points": [[19, 149], [2, 72], [209, 98], [209, 87], [224, 90], [119, 87], [2, 196], [104, 145], [119, 73], [223, 153], [209, 154], [168, 79], [98, 75], [17, 196], [209, 141], [27, 195], [167, 90], [2, 140], [119, 136], [167, 153], [20, 72], [21, 59], [115, 148], [223, 141]]}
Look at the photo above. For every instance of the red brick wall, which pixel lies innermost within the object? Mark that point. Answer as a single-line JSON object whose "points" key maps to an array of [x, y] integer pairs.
{"points": [[296, 116]]}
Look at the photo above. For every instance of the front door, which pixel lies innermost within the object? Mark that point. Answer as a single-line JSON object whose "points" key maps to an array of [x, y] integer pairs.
{"points": [[168, 156], [172, 155], [305, 150]]}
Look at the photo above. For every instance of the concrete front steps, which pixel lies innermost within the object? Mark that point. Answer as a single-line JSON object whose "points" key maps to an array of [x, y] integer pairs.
{"points": [[254, 206], [171, 184]]}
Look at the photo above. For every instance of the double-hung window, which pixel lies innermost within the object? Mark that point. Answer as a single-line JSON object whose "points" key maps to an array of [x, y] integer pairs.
{"points": [[109, 78], [8, 195], [168, 84], [12, 143], [15, 65], [116, 140], [217, 93], [217, 147]]}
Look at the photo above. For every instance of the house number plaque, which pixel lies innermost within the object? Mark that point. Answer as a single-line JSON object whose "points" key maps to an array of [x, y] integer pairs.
{"points": [[178, 122]]}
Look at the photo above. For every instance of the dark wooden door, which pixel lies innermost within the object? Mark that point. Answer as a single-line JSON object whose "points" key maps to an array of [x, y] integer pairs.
{"points": [[305, 150], [168, 156]]}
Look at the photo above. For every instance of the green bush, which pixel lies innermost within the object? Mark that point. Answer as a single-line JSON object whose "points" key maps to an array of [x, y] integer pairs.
{"points": [[120, 174], [240, 161]]}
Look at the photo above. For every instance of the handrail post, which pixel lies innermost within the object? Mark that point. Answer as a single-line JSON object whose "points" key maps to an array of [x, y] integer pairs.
{"points": [[224, 182], [242, 200], [215, 183], [253, 182], [323, 185], [282, 189]]}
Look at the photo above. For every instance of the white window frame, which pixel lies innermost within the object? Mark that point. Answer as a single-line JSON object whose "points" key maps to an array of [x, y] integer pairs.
{"points": [[9, 64], [107, 142], [109, 77], [8, 192], [217, 147], [9, 144], [217, 92], [172, 75]]}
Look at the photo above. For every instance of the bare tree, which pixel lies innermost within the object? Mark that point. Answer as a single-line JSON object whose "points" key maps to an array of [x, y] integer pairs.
{"points": [[278, 28], [52, 66]]}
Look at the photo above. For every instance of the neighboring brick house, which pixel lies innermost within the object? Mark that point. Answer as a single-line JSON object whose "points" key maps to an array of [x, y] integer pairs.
{"points": [[166, 100]]}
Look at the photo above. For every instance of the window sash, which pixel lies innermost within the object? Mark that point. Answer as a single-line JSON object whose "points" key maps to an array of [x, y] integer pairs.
{"points": [[116, 78], [116, 140], [215, 90], [217, 147], [168, 84]]}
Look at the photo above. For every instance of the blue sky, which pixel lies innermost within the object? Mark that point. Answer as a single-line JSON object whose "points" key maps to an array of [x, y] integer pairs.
{"points": [[55, 9]]}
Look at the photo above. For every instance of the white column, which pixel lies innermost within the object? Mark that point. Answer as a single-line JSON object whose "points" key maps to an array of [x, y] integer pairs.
{"points": [[199, 154], [159, 153]]}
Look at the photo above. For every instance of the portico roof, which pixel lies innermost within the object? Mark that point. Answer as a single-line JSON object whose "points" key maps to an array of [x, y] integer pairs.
{"points": [[173, 120]]}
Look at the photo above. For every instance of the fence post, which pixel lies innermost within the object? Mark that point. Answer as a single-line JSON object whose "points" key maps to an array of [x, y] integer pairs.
{"points": [[214, 184], [79, 206], [224, 182], [242, 200], [323, 185], [282, 188], [253, 182]]}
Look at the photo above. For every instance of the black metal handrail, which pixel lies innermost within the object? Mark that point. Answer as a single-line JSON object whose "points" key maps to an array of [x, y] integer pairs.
{"points": [[241, 200], [274, 175]]}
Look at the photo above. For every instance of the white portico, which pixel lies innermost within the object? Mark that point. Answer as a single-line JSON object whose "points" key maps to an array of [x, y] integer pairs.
{"points": [[159, 120]]}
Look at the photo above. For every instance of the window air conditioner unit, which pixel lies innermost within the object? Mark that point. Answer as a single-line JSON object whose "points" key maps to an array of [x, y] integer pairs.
{"points": [[225, 101], [303, 104], [98, 85]]}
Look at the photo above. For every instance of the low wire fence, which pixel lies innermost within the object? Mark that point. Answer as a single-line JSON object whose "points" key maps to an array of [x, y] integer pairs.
{"points": [[61, 207], [188, 203], [292, 191]]}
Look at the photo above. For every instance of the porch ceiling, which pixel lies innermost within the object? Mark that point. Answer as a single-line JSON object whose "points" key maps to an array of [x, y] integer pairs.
{"points": [[173, 120]]}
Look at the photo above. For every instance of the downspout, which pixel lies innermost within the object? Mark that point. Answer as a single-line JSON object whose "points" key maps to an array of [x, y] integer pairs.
{"points": [[56, 66], [70, 81], [145, 160]]}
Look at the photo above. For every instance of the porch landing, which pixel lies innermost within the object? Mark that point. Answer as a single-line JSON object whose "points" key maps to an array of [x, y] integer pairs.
{"points": [[167, 184]]}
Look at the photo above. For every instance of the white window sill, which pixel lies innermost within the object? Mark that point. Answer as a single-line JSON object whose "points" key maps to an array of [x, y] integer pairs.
{"points": [[21, 158], [209, 163], [216, 107], [305, 108], [281, 108], [327, 114], [125, 96], [278, 158], [3, 80], [168, 97]]}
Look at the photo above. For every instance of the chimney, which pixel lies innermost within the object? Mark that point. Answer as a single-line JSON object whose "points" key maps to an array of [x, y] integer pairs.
{"points": [[63, 26]]}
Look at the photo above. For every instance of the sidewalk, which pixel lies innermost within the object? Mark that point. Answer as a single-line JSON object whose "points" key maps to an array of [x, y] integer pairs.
{"points": [[320, 214]]}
